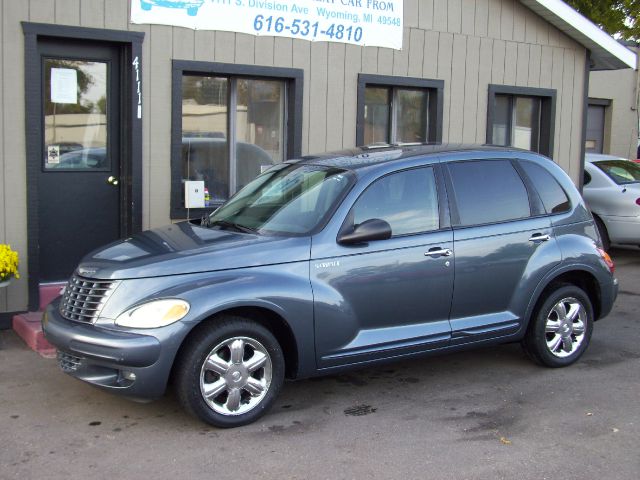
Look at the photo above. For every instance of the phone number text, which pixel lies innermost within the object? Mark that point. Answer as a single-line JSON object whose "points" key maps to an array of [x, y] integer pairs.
{"points": [[305, 28]]}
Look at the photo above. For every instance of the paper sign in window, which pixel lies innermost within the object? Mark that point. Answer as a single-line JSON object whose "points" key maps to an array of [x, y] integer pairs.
{"points": [[64, 85]]}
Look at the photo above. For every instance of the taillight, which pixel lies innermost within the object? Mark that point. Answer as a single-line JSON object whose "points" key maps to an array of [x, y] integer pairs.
{"points": [[637, 201], [607, 259]]}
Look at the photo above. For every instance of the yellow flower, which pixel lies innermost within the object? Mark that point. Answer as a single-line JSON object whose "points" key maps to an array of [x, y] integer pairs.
{"points": [[8, 263]]}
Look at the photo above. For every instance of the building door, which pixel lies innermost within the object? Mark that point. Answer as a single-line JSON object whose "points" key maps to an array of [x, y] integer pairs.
{"points": [[595, 129], [79, 185]]}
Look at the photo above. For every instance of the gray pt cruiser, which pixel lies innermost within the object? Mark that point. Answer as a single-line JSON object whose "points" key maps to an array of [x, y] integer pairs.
{"points": [[337, 261]]}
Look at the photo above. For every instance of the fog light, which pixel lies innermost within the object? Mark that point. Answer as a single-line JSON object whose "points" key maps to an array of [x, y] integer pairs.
{"points": [[129, 376]]}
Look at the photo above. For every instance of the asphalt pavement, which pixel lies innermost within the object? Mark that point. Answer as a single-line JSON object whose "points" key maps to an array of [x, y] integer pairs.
{"points": [[483, 414]]}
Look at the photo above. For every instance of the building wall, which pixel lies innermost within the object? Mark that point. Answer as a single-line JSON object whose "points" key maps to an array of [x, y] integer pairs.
{"points": [[467, 43], [621, 117]]}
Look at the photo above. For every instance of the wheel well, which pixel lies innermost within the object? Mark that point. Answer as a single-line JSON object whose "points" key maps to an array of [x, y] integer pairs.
{"points": [[581, 279], [269, 320]]}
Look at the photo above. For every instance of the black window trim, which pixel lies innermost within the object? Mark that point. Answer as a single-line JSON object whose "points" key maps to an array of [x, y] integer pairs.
{"points": [[547, 110], [602, 102], [293, 115], [435, 108]]}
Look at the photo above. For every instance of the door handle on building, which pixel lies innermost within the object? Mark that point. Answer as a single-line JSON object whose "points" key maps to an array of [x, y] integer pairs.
{"points": [[112, 180]]}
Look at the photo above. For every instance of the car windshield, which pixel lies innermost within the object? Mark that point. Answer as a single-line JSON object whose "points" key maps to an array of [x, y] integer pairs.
{"points": [[288, 199], [620, 171]]}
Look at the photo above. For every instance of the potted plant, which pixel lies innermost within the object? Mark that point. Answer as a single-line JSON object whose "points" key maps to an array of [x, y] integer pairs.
{"points": [[8, 265]]}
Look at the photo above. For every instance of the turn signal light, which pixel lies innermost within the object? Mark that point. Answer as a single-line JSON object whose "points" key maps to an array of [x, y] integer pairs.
{"points": [[607, 259]]}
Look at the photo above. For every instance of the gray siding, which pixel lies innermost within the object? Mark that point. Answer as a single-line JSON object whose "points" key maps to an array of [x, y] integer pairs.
{"points": [[467, 43], [621, 122]]}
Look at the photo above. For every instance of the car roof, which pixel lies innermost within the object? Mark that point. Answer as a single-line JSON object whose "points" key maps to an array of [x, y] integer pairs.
{"points": [[367, 156], [596, 157]]}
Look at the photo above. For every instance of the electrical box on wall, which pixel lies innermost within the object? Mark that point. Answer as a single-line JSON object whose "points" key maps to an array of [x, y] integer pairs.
{"points": [[194, 194]]}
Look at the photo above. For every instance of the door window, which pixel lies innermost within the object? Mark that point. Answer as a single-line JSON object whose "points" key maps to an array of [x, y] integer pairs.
{"points": [[488, 191], [75, 115], [407, 200]]}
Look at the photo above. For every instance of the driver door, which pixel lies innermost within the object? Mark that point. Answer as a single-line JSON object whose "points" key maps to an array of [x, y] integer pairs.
{"points": [[388, 297]]}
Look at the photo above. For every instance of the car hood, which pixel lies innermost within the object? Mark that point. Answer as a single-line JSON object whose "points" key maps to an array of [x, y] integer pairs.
{"points": [[186, 248]]}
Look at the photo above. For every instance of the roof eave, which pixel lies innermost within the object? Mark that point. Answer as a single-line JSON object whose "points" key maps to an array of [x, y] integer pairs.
{"points": [[606, 52]]}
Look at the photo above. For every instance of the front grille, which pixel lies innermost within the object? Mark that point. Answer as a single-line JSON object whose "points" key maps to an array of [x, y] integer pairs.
{"points": [[67, 362], [84, 298]]}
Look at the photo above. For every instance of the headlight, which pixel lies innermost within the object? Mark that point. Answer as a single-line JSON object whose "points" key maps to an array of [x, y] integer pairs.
{"points": [[158, 313]]}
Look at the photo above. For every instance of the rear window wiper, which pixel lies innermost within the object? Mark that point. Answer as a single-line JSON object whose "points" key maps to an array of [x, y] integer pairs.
{"points": [[232, 225]]}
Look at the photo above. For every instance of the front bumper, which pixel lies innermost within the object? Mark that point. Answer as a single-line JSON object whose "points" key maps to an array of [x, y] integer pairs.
{"points": [[127, 363]]}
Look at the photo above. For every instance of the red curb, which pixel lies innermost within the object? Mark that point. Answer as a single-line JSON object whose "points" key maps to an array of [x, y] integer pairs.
{"points": [[28, 327], [48, 292]]}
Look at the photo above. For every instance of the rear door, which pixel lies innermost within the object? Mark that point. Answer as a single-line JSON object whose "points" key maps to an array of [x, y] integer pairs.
{"points": [[504, 245], [389, 297]]}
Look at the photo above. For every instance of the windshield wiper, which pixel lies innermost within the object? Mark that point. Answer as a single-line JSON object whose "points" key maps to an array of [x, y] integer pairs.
{"points": [[233, 225]]}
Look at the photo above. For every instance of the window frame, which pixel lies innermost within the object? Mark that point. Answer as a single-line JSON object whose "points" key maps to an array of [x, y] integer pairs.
{"points": [[435, 89], [547, 97], [294, 81]]}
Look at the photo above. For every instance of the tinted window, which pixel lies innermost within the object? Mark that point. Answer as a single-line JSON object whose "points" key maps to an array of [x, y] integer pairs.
{"points": [[620, 171], [587, 178], [488, 191], [407, 200], [550, 191]]}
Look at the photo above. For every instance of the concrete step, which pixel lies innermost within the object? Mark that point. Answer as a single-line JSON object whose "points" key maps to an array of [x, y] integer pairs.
{"points": [[29, 328], [49, 291]]}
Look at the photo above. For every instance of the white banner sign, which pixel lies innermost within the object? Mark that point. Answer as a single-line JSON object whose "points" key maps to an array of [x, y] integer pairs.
{"points": [[361, 22]]}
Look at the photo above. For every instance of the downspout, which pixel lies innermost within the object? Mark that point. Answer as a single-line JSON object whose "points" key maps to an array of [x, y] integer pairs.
{"points": [[585, 112]]}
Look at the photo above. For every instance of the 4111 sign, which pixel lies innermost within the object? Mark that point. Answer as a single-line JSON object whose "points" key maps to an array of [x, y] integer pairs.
{"points": [[360, 22]]}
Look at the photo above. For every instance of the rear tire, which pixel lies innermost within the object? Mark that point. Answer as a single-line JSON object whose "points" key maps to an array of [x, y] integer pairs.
{"points": [[230, 372], [604, 235], [560, 328]]}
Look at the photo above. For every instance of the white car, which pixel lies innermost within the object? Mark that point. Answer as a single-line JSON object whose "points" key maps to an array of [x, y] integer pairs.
{"points": [[612, 193]]}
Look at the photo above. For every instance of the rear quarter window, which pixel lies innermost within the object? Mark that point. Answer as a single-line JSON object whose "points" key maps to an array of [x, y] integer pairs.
{"points": [[488, 191], [553, 197]]}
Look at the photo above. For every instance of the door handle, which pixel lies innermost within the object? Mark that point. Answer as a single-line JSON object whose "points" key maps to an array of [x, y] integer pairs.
{"points": [[540, 237], [112, 180], [438, 252]]}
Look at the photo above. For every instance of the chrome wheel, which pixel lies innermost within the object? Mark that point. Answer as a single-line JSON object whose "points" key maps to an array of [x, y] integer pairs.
{"points": [[565, 327], [236, 375]]}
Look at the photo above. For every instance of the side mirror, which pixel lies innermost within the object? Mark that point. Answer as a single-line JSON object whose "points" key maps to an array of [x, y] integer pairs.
{"points": [[367, 231]]}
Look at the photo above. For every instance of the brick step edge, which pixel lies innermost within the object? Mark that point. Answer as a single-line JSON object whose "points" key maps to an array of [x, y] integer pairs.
{"points": [[49, 291], [29, 328]]}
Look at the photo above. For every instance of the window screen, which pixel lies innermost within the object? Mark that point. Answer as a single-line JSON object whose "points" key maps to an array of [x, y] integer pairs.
{"points": [[488, 191]]}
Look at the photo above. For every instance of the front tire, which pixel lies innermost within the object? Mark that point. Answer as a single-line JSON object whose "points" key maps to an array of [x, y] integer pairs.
{"points": [[230, 372], [560, 329]]}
